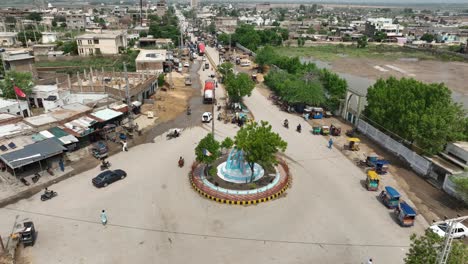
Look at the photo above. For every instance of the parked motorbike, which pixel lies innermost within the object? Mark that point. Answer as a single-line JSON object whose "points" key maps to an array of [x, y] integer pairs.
{"points": [[47, 195], [105, 165], [36, 177]]}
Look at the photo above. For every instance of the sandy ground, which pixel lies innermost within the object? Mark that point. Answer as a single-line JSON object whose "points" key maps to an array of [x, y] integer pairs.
{"points": [[453, 74]]}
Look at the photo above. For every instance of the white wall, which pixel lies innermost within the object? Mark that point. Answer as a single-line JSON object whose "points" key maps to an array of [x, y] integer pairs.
{"points": [[14, 109]]}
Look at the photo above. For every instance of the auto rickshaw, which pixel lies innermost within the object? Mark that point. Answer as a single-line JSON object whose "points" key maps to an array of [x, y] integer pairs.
{"points": [[381, 166], [372, 181], [405, 214], [353, 144], [28, 234], [325, 130], [335, 131], [390, 197], [317, 113], [316, 130]]}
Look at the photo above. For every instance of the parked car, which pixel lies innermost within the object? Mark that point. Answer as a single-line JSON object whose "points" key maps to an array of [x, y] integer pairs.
{"points": [[207, 117], [107, 177], [461, 231], [186, 64]]}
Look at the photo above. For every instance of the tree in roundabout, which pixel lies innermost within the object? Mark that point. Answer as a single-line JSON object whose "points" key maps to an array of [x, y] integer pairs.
{"points": [[246, 170]]}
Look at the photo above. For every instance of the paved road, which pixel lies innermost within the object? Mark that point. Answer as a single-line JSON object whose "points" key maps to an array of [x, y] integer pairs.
{"points": [[155, 217]]}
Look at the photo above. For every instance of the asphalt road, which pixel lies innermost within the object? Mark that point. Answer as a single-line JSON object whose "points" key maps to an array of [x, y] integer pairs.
{"points": [[155, 216]]}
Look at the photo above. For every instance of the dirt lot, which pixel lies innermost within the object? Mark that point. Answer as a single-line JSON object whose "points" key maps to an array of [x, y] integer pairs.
{"points": [[453, 74]]}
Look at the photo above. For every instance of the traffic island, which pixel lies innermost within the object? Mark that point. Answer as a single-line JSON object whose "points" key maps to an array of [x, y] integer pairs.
{"points": [[216, 187]]}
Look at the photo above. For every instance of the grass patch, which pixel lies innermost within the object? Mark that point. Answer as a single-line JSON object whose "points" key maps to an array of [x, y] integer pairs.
{"points": [[333, 52]]}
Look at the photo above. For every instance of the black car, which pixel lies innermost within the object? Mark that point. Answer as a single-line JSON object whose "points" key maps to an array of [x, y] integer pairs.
{"points": [[107, 177]]}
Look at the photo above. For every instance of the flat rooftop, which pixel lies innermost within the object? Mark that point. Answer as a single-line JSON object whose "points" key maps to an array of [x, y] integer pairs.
{"points": [[10, 130], [106, 35], [44, 88], [7, 102], [152, 55], [8, 34], [461, 144]]}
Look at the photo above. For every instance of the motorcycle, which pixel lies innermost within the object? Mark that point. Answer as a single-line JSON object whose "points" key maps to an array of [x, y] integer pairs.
{"points": [[181, 162], [48, 195], [189, 111], [105, 165], [298, 129], [286, 124]]}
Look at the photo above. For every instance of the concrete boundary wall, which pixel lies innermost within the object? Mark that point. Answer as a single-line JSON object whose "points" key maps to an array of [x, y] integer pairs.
{"points": [[417, 162]]}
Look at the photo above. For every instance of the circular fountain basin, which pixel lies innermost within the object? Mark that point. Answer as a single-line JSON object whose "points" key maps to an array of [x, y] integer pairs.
{"points": [[237, 175]]}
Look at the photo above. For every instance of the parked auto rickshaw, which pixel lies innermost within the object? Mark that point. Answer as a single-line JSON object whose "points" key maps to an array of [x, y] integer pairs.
{"points": [[317, 113], [316, 130], [381, 166], [372, 181], [325, 130], [405, 214], [353, 144], [390, 197], [28, 234], [335, 131]]}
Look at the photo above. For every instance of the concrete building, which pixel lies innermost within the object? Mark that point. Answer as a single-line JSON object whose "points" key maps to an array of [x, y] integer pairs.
{"points": [[19, 60], [12, 106], [374, 25], [193, 3], [107, 43], [8, 39], [150, 61], [45, 96], [43, 49], [76, 21], [155, 42], [49, 37], [161, 8]]}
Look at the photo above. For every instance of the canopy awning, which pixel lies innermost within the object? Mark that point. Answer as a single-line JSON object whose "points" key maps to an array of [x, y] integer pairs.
{"points": [[32, 153]]}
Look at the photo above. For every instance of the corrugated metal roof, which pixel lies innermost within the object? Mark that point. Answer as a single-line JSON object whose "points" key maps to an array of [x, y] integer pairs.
{"points": [[32, 153], [106, 114]]}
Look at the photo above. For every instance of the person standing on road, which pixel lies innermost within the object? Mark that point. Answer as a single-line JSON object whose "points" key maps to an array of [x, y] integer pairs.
{"points": [[124, 145], [330, 143], [103, 217]]}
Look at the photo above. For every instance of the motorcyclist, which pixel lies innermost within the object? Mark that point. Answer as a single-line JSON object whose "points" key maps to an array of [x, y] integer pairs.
{"points": [[181, 162], [286, 123], [299, 128], [47, 192], [189, 111], [105, 163]]}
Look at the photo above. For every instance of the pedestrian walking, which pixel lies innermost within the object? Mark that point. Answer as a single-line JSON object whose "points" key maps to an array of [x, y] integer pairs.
{"points": [[124, 145], [330, 143], [103, 217]]}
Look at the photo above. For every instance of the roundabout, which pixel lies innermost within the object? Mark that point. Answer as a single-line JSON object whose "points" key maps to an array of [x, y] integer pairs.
{"points": [[267, 184]]}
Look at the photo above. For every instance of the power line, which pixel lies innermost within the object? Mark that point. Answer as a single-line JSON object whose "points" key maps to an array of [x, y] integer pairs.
{"points": [[213, 236]]}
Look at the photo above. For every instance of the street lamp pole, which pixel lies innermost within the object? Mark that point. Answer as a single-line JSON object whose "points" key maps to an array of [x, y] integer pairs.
{"points": [[443, 256]]}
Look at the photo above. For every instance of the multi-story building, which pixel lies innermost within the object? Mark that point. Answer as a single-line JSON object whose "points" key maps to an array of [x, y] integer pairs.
{"points": [[8, 39], [150, 61], [76, 21], [226, 23], [19, 60], [374, 25], [106, 43]]}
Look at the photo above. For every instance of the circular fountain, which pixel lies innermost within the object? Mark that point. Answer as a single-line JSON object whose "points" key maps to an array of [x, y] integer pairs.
{"points": [[235, 169]]}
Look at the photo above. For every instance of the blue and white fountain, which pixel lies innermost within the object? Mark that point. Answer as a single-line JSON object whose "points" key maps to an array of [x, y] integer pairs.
{"points": [[235, 169]]}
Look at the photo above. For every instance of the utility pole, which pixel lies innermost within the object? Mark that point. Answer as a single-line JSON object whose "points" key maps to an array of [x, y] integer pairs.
{"points": [[127, 94], [443, 256], [212, 111], [141, 15]]}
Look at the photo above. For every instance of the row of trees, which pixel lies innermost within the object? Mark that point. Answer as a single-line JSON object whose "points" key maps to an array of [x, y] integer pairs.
{"points": [[422, 114], [236, 85], [165, 26], [304, 83], [247, 36]]}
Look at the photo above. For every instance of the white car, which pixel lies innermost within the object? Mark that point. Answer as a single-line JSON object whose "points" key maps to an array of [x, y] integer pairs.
{"points": [[186, 64], [207, 117], [461, 231]]}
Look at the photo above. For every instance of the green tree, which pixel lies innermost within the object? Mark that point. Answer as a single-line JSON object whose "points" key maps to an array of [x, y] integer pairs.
{"points": [[461, 184], [54, 23], [70, 47], [238, 86], [275, 24], [421, 113], [259, 144], [224, 38], [23, 80], [300, 42], [380, 36], [211, 28], [227, 143], [161, 80], [265, 56], [311, 30], [335, 87], [247, 36], [362, 42], [10, 20], [424, 249], [428, 37], [27, 35], [34, 16], [210, 144], [226, 68], [323, 31]]}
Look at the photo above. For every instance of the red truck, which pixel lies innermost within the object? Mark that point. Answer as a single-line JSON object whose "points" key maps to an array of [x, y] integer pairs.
{"points": [[208, 92], [201, 48]]}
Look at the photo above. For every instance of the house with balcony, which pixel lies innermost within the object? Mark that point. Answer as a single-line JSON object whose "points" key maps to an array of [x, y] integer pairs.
{"points": [[374, 25], [106, 43]]}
